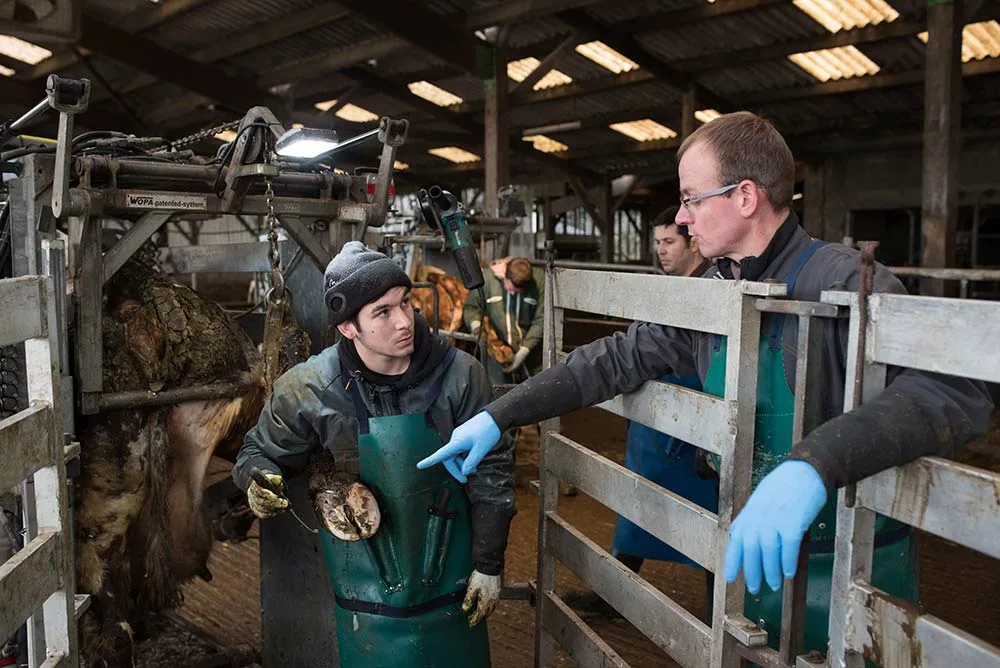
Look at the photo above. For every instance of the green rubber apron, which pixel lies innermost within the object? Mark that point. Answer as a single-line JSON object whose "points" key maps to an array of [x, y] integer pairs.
{"points": [[894, 561], [398, 593]]}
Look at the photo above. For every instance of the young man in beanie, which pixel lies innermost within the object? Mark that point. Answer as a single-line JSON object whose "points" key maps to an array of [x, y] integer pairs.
{"points": [[414, 557], [515, 305]]}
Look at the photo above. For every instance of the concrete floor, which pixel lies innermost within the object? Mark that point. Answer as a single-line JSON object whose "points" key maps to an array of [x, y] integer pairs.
{"points": [[958, 585]]}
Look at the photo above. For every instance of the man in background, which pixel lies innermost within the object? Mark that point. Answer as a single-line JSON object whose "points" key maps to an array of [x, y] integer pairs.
{"points": [[515, 294]]}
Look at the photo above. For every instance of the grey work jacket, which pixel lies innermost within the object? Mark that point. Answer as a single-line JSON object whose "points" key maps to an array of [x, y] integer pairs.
{"points": [[310, 409]]}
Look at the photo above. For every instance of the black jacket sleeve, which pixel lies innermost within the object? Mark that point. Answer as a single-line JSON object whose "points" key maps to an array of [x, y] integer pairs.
{"points": [[918, 414], [284, 437], [596, 372], [491, 488]]}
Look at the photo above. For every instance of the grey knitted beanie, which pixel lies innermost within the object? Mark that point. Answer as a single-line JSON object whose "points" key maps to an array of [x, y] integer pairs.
{"points": [[358, 276]]}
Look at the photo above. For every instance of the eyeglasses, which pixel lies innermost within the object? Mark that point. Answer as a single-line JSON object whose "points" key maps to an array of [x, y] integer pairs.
{"points": [[686, 202]]}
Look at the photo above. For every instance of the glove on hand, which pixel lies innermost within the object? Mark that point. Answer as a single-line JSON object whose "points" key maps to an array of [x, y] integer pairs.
{"points": [[266, 497], [519, 357], [768, 531], [476, 436], [482, 596]]}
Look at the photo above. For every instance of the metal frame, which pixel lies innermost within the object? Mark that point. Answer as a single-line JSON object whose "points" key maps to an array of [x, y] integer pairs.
{"points": [[950, 500], [109, 186], [40, 576], [723, 426]]}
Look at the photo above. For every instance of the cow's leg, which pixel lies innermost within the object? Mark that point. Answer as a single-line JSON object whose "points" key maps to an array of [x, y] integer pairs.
{"points": [[195, 429]]}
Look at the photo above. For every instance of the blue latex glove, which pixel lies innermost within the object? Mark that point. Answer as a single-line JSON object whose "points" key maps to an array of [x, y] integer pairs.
{"points": [[768, 531], [476, 437]]}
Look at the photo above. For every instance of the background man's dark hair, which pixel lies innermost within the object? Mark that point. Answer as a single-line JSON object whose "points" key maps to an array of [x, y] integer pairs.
{"points": [[666, 217]]}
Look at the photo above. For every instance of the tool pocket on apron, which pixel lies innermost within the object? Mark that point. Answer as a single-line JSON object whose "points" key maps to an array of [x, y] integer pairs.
{"points": [[437, 538], [382, 553]]}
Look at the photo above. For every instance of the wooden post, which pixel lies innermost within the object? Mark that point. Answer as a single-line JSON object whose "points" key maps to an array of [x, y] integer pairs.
{"points": [[942, 124], [689, 105], [497, 137], [814, 201]]}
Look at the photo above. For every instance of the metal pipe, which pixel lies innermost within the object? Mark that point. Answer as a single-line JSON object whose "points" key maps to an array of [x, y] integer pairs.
{"points": [[420, 240], [461, 336], [598, 266], [30, 116], [948, 273], [435, 300], [347, 143], [866, 285], [53, 259], [202, 173], [108, 401]]}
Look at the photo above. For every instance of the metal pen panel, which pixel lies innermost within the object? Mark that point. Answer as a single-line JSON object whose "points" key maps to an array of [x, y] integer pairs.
{"points": [[586, 647], [950, 500], [941, 644], [896, 634], [27, 579], [25, 443], [668, 516], [689, 415], [686, 303], [907, 331], [672, 628], [22, 318]]}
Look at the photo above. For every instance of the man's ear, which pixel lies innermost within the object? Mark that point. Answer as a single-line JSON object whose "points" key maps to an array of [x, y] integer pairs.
{"points": [[693, 246], [348, 330]]}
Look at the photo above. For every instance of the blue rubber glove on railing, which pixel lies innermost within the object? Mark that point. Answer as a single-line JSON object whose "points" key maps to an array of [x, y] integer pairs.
{"points": [[768, 531], [476, 437]]}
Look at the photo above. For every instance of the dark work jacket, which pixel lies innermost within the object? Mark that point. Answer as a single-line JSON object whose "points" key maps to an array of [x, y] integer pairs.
{"points": [[309, 410]]}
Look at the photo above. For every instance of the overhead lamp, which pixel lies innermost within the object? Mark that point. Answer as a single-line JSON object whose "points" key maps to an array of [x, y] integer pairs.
{"points": [[6, 71], [306, 143]]}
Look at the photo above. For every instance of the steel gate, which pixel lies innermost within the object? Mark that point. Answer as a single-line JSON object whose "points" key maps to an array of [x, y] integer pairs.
{"points": [[956, 502], [38, 578], [723, 426]]}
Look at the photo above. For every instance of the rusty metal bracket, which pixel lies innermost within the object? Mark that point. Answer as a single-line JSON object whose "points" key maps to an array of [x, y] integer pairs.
{"points": [[866, 284]]}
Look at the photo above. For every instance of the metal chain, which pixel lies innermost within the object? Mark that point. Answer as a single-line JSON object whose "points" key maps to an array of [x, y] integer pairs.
{"points": [[277, 291], [204, 134], [9, 400]]}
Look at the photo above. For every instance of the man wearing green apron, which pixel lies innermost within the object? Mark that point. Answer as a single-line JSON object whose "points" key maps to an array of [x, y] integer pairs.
{"points": [[736, 179], [414, 557], [515, 306]]}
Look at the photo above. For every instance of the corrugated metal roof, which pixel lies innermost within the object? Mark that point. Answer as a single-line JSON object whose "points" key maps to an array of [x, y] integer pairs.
{"points": [[333, 37], [634, 9], [217, 19], [634, 97], [767, 25]]}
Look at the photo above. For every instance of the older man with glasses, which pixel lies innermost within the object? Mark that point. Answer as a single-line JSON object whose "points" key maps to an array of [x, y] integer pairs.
{"points": [[736, 179]]}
